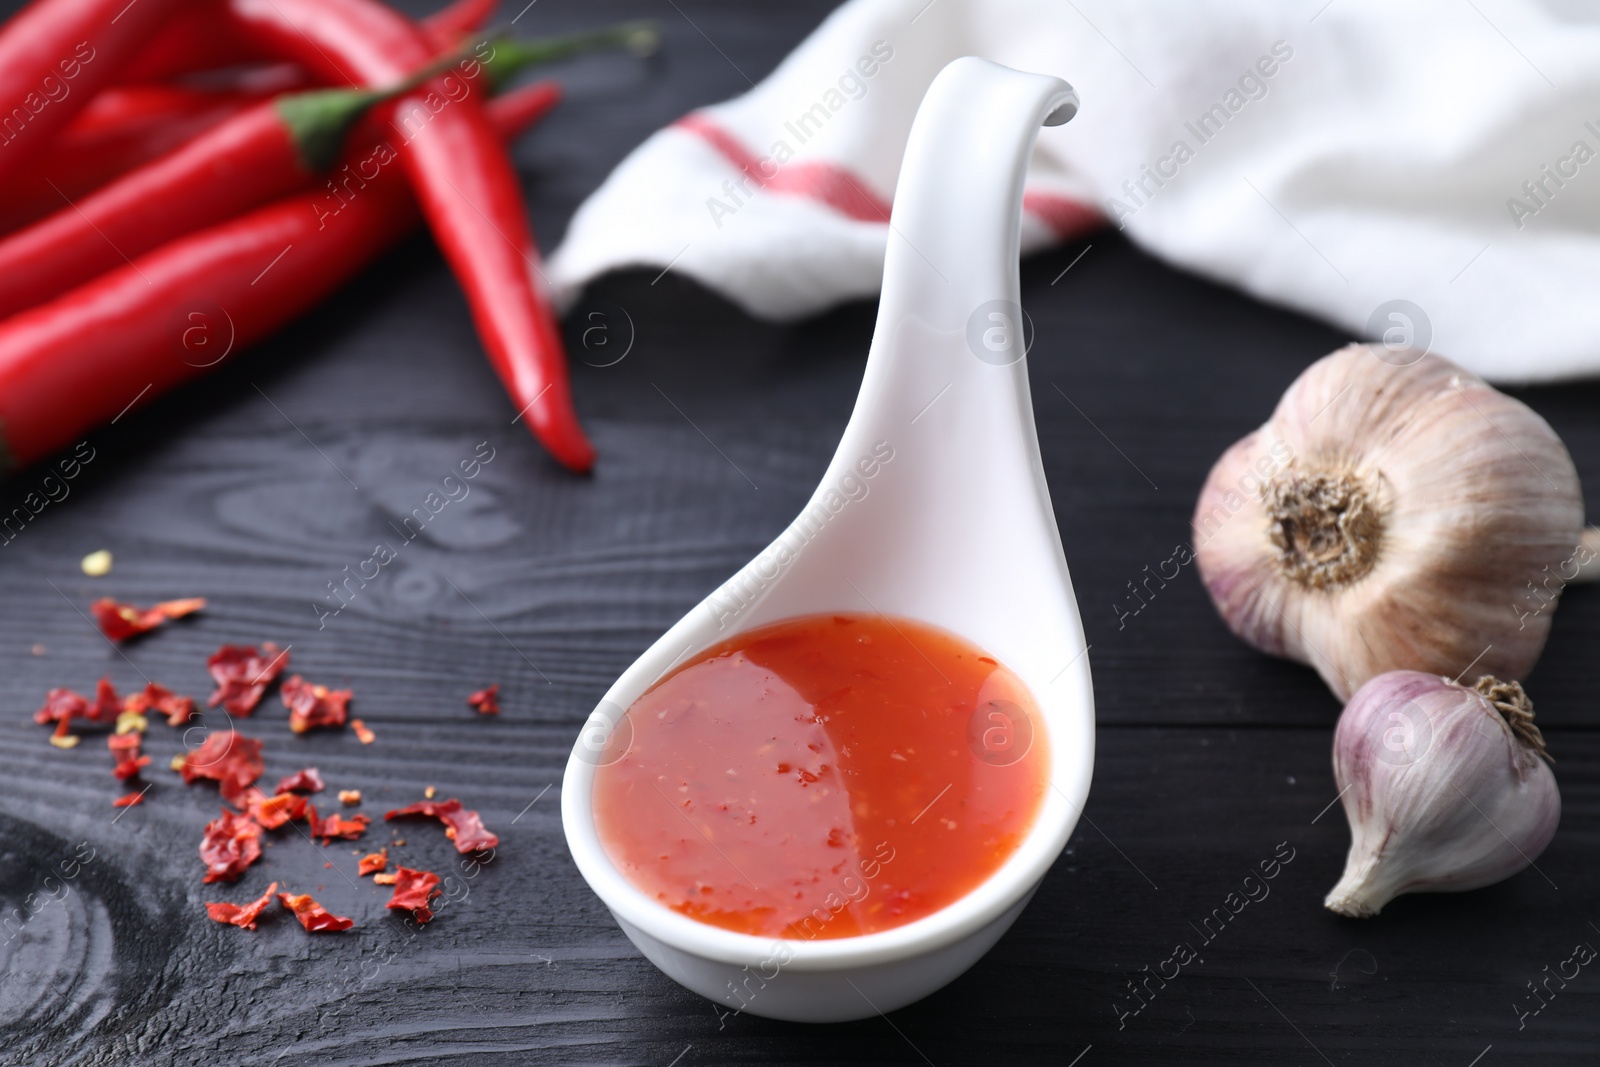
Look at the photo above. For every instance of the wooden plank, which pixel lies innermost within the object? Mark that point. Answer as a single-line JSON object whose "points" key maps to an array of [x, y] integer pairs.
{"points": [[524, 962]]}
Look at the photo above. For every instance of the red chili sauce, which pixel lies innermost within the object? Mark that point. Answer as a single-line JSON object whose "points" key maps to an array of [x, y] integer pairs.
{"points": [[826, 776]]}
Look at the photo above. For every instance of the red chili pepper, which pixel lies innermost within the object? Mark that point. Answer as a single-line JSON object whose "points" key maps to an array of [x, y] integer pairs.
{"points": [[266, 152], [202, 37], [135, 332], [452, 23], [518, 109], [467, 188], [122, 109], [55, 55], [123, 128], [206, 38]]}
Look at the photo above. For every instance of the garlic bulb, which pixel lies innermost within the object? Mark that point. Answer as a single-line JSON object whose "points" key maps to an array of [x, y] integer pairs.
{"points": [[1392, 517], [1446, 788]]}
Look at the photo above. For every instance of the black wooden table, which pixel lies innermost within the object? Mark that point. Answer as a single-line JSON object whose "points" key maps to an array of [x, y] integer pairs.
{"points": [[260, 486]]}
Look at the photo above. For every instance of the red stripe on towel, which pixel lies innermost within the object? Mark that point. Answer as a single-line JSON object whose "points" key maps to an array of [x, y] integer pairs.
{"points": [[847, 193], [835, 186]]}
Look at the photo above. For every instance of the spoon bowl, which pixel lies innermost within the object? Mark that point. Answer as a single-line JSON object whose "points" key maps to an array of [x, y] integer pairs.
{"points": [[934, 508]]}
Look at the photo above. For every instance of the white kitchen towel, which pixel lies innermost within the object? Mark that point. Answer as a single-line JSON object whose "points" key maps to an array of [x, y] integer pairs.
{"points": [[1417, 171]]}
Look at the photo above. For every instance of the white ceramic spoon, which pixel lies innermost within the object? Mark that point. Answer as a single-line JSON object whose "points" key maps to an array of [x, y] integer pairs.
{"points": [[934, 508]]}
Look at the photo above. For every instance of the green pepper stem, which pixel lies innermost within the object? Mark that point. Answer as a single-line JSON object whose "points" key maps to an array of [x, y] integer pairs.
{"points": [[511, 56], [318, 121]]}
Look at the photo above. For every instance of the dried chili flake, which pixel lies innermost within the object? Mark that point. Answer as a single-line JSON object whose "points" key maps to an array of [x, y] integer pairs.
{"points": [[364, 735], [313, 916], [384, 879], [462, 824], [274, 811], [122, 621], [413, 891], [308, 780], [336, 826], [231, 759], [107, 705], [130, 768], [125, 752], [159, 698], [313, 705], [243, 674], [231, 843], [486, 701], [128, 800], [349, 796], [244, 915], [373, 862], [61, 706]]}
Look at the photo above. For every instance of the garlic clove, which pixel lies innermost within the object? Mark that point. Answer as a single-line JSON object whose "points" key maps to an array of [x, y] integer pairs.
{"points": [[1390, 517], [1446, 788]]}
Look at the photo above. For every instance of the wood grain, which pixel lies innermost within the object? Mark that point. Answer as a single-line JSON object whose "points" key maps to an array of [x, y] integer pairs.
{"points": [[258, 486]]}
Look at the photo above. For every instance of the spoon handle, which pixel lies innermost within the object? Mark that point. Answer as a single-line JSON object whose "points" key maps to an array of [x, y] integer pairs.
{"points": [[954, 231]]}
